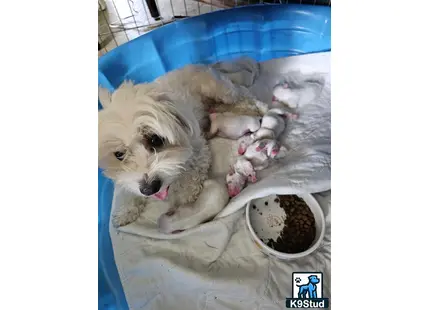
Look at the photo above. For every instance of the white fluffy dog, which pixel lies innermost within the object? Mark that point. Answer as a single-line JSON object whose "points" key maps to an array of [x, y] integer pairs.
{"points": [[152, 135]]}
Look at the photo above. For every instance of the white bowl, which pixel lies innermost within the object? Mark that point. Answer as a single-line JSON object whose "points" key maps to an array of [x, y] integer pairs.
{"points": [[266, 221]]}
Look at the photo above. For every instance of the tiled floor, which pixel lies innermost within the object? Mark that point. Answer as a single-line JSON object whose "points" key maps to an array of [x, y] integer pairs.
{"points": [[130, 18]]}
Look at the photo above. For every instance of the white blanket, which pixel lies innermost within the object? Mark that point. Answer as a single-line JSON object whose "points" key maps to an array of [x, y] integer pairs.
{"points": [[216, 265]]}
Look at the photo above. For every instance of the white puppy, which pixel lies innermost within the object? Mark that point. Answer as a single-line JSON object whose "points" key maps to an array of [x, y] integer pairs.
{"points": [[235, 183], [257, 156], [241, 172], [245, 168], [285, 95], [293, 94], [208, 204], [244, 142], [232, 126], [272, 124], [260, 152]]}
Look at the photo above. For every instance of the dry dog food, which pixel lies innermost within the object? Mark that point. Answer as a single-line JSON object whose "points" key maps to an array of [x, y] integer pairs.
{"points": [[299, 230]]}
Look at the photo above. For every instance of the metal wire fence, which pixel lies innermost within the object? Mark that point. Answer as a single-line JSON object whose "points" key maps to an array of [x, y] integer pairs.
{"points": [[123, 20]]}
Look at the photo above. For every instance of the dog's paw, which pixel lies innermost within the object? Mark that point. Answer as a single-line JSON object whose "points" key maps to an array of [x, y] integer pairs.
{"points": [[125, 215], [165, 222]]}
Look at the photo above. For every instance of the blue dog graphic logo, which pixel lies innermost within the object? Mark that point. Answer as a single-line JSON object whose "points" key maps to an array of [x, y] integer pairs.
{"points": [[308, 290], [309, 295]]}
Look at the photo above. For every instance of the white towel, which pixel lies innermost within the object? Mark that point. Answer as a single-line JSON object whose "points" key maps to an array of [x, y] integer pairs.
{"points": [[216, 265]]}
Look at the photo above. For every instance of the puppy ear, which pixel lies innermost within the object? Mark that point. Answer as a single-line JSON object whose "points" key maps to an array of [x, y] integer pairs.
{"points": [[105, 97]]}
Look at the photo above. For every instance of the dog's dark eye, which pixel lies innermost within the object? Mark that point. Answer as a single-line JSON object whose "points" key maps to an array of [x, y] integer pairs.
{"points": [[119, 155], [155, 141]]}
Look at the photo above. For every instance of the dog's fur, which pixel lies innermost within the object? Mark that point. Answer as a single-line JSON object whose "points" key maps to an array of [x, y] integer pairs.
{"points": [[175, 108], [231, 126], [207, 205]]}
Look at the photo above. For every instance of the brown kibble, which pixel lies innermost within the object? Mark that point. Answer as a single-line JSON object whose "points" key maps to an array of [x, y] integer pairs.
{"points": [[299, 229], [254, 207]]}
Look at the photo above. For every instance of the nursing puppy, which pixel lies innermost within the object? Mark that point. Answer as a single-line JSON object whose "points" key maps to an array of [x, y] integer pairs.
{"points": [[231, 126], [272, 124], [151, 138]]}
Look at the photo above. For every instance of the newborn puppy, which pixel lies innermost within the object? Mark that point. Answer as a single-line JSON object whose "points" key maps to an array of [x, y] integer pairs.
{"points": [[272, 125], [258, 155], [292, 97], [245, 168], [205, 208], [272, 148], [244, 142], [241, 172], [260, 152], [235, 183], [231, 126], [282, 93]]}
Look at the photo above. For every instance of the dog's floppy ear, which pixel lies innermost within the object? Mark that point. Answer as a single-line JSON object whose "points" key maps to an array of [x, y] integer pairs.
{"points": [[183, 122], [105, 97], [178, 116]]}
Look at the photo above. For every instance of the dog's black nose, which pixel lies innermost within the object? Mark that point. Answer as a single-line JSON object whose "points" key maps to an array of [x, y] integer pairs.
{"points": [[149, 188]]}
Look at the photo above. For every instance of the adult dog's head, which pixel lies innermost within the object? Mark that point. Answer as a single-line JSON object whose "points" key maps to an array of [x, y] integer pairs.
{"points": [[145, 140]]}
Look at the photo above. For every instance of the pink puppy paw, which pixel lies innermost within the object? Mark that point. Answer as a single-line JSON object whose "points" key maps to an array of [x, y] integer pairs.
{"points": [[242, 148], [252, 178], [261, 146], [292, 115], [285, 85]]}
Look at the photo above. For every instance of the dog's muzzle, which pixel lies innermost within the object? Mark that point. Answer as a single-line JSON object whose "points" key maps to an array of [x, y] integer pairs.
{"points": [[149, 188]]}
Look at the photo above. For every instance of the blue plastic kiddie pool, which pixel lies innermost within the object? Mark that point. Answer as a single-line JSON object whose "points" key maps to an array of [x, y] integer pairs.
{"points": [[262, 32]]}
